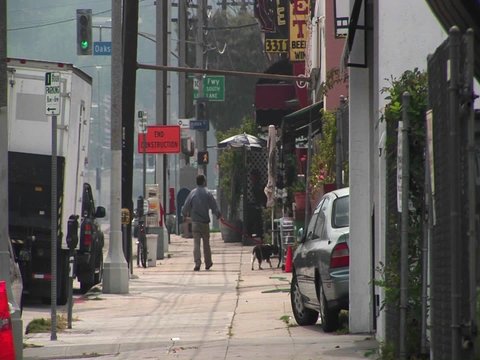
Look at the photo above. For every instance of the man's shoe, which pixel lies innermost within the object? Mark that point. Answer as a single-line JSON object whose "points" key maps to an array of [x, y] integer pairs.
{"points": [[196, 268], [208, 267]]}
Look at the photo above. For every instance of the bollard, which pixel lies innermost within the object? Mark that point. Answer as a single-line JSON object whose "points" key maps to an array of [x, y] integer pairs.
{"points": [[288, 260]]}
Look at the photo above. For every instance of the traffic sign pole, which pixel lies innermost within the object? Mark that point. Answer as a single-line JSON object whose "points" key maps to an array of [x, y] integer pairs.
{"points": [[52, 107], [52, 93]]}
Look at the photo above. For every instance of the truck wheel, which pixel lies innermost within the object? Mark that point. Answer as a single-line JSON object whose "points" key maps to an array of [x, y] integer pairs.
{"points": [[98, 277], [85, 286], [62, 298]]}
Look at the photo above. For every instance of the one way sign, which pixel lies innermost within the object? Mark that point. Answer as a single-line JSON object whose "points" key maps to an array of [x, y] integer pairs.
{"points": [[52, 93]]}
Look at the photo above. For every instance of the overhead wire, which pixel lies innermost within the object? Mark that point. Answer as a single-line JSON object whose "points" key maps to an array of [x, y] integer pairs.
{"points": [[64, 21]]}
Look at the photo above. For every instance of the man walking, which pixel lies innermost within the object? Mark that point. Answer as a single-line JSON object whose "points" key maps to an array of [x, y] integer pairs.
{"points": [[197, 205]]}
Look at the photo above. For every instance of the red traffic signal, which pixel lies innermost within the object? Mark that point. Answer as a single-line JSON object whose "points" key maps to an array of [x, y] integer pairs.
{"points": [[202, 157]]}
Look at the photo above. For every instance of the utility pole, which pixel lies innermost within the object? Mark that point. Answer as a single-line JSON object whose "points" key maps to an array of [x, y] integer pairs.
{"points": [[200, 135], [115, 279], [161, 100], [17, 324], [182, 77]]}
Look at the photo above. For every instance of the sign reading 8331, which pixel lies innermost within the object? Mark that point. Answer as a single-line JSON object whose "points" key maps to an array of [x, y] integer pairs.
{"points": [[276, 45]]}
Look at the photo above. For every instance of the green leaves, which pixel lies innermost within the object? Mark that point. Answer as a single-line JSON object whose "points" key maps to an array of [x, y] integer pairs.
{"points": [[322, 170]]}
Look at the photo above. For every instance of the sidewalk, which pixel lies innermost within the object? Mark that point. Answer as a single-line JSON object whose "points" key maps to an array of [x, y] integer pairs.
{"points": [[172, 312]]}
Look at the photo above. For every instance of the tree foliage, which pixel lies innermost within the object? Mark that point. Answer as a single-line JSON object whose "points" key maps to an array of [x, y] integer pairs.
{"points": [[231, 165], [234, 43], [415, 82]]}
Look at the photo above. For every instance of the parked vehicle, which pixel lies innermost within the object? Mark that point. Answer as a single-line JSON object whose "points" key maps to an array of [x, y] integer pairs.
{"points": [[15, 279], [89, 268], [320, 273], [30, 177]]}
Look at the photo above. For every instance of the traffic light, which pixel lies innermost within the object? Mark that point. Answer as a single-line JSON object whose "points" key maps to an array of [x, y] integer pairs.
{"points": [[201, 109], [84, 32], [202, 157]]}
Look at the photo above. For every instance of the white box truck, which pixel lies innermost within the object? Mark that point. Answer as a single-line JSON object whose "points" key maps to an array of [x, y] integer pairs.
{"points": [[30, 178]]}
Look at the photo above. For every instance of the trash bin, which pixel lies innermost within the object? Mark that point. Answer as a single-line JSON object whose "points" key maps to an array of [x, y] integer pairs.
{"points": [[152, 249]]}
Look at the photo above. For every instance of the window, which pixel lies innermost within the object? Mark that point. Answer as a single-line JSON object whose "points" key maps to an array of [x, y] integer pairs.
{"points": [[311, 226], [320, 228], [340, 216]]}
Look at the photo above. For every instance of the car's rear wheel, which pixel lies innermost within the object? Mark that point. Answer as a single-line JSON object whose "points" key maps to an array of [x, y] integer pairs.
{"points": [[328, 316], [303, 315]]}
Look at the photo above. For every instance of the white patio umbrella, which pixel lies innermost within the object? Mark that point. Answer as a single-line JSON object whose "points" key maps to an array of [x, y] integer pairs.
{"points": [[242, 140]]}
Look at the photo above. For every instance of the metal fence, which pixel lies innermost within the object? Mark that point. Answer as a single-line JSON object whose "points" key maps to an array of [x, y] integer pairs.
{"points": [[449, 215], [242, 210], [453, 207]]}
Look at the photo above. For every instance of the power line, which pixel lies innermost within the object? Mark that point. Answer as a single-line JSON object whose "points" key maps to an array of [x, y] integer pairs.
{"points": [[54, 23], [231, 27], [60, 21]]}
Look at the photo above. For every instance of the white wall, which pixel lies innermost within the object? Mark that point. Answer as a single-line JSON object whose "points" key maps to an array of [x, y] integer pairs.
{"points": [[404, 33]]}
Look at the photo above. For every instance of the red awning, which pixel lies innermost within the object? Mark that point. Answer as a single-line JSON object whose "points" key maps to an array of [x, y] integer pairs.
{"points": [[274, 96]]}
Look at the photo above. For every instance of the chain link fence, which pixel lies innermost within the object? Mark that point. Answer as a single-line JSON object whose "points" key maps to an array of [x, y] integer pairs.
{"points": [[449, 213]]}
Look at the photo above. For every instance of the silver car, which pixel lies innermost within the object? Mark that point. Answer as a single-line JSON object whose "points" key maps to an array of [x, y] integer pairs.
{"points": [[320, 271]]}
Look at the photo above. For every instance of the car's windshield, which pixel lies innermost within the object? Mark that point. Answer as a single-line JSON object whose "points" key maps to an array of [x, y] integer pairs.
{"points": [[340, 212]]}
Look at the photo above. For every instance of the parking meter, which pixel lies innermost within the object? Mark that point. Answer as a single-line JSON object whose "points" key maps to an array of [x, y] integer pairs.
{"points": [[140, 207], [72, 242], [72, 232], [126, 244]]}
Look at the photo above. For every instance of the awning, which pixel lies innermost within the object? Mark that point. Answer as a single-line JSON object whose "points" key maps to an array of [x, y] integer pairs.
{"points": [[271, 103], [353, 26], [274, 99], [273, 96], [298, 121], [464, 14]]}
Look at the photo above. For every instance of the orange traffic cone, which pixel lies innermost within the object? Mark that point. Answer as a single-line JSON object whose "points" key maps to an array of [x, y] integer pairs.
{"points": [[7, 347], [288, 260]]}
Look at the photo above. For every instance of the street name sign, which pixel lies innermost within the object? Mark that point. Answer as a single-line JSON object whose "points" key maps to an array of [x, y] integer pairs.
{"points": [[213, 88], [199, 125], [102, 48], [52, 93]]}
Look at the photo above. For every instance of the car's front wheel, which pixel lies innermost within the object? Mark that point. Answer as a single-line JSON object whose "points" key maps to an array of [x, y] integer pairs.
{"points": [[328, 316], [303, 315]]}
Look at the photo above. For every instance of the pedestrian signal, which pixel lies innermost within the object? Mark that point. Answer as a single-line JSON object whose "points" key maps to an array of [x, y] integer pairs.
{"points": [[202, 158]]}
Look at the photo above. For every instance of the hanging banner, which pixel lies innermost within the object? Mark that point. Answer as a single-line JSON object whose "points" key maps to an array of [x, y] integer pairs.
{"points": [[299, 10], [276, 41]]}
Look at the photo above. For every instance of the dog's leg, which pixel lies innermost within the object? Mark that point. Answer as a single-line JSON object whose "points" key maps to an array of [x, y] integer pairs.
{"points": [[253, 259], [270, 263]]}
